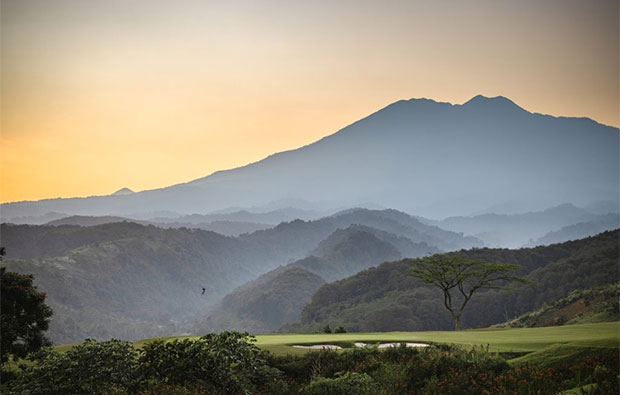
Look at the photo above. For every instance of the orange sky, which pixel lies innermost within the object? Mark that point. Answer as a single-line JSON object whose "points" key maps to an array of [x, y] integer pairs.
{"points": [[99, 95]]}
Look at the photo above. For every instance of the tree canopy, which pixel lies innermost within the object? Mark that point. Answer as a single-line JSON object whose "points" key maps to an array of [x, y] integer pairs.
{"points": [[24, 316], [460, 278]]}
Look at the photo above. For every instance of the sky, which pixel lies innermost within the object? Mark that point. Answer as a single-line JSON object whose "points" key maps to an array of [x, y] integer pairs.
{"points": [[100, 95]]}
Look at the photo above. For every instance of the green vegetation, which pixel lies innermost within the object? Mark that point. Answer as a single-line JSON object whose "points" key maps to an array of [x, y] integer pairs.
{"points": [[561, 358], [497, 339], [387, 298], [601, 304], [24, 316]]}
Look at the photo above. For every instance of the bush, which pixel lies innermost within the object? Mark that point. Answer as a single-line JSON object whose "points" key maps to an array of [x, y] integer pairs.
{"points": [[350, 383], [340, 329], [327, 329], [224, 363], [88, 368]]}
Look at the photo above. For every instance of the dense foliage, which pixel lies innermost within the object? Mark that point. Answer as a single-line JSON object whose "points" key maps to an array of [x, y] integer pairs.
{"points": [[388, 298], [228, 363], [24, 316]]}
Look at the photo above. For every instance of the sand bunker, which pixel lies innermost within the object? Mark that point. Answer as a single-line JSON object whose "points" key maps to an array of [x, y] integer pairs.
{"points": [[335, 347], [322, 347], [386, 345]]}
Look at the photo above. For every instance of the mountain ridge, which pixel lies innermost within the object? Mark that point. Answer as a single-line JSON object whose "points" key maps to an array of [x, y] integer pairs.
{"points": [[419, 139]]}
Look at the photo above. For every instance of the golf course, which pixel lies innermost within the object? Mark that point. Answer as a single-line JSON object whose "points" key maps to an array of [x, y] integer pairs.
{"points": [[519, 340]]}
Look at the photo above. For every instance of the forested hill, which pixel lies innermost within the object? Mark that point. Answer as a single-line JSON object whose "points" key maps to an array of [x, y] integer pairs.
{"points": [[388, 298], [275, 298]]}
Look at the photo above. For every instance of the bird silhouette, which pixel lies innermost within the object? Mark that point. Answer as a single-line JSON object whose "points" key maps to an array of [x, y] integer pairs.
{"points": [[203, 291]]}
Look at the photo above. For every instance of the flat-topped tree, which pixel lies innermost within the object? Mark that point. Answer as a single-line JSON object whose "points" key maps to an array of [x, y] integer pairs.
{"points": [[460, 278]]}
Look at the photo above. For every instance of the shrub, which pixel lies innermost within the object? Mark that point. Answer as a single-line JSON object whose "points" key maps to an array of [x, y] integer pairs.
{"points": [[88, 368], [350, 383], [227, 362], [340, 329], [327, 329]]}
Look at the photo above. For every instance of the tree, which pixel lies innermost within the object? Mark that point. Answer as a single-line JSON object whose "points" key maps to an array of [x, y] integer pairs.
{"points": [[24, 316], [459, 279]]}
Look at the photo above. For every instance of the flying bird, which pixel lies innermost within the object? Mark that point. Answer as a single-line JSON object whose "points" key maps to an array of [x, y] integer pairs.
{"points": [[203, 291]]}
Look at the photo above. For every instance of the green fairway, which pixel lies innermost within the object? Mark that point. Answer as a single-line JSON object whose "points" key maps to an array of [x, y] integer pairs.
{"points": [[606, 334], [510, 339]]}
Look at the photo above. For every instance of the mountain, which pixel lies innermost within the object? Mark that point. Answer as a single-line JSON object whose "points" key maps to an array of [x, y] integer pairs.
{"points": [[272, 217], [422, 156], [516, 230], [580, 230], [388, 298], [298, 237], [123, 191], [277, 297], [84, 220]]}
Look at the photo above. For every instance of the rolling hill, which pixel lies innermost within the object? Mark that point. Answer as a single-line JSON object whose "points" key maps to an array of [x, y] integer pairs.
{"points": [[278, 297], [413, 155]]}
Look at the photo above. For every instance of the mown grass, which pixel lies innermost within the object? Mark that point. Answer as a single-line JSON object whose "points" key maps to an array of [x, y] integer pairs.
{"points": [[498, 340], [518, 340]]}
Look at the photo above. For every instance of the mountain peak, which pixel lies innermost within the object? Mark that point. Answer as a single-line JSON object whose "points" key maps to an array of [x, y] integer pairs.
{"points": [[123, 191], [496, 102]]}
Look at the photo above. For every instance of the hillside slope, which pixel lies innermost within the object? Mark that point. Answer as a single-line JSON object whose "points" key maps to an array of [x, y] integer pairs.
{"points": [[277, 297], [600, 304], [388, 298]]}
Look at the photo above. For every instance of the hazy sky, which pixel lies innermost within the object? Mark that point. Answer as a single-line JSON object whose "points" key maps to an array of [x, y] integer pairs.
{"points": [[99, 95]]}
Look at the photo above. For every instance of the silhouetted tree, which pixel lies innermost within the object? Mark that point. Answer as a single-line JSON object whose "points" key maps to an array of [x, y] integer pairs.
{"points": [[24, 316], [459, 279]]}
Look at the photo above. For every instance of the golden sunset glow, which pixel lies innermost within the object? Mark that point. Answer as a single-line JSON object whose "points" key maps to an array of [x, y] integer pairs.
{"points": [[100, 95]]}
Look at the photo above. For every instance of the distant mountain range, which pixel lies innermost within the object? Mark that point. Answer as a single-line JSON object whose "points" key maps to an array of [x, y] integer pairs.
{"points": [[517, 230], [420, 156]]}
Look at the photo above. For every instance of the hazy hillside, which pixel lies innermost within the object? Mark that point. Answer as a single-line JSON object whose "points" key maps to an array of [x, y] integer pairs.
{"points": [[516, 230], [264, 304], [303, 236], [84, 220], [429, 158], [580, 230], [127, 280], [388, 298], [118, 279], [278, 297]]}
